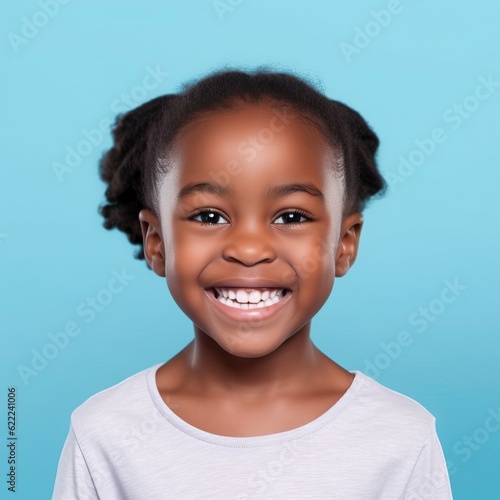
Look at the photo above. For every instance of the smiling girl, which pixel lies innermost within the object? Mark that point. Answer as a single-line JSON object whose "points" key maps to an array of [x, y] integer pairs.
{"points": [[246, 192]]}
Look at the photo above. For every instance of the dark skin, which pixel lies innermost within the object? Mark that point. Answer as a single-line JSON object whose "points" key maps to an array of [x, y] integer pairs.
{"points": [[250, 377]]}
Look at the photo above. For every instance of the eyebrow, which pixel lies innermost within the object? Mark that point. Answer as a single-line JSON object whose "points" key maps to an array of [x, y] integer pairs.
{"points": [[272, 193], [286, 189], [203, 187]]}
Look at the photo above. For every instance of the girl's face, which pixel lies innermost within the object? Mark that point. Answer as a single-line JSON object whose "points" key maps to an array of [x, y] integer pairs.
{"points": [[251, 204]]}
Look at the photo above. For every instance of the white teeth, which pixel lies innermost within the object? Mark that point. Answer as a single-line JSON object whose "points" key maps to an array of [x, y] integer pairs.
{"points": [[242, 296], [241, 299], [254, 297]]}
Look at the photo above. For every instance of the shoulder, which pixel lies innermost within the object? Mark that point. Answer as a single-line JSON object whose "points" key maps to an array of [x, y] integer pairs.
{"points": [[390, 412], [113, 408]]}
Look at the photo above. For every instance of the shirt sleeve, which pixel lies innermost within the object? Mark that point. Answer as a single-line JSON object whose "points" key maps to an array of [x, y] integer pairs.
{"points": [[73, 479], [429, 478]]}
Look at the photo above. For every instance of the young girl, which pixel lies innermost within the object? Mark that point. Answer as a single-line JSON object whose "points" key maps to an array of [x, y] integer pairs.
{"points": [[246, 191]]}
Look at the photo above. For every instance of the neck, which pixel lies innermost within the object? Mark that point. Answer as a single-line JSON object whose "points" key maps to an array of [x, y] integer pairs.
{"points": [[289, 368]]}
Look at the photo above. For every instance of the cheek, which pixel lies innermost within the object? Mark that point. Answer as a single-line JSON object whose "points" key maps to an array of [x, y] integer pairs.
{"points": [[187, 254], [318, 275], [182, 270], [313, 264], [177, 254], [181, 264], [316, 266]]}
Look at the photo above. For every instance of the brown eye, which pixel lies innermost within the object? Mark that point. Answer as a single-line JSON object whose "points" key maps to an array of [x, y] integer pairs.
{"points": [[208, 217], [293, 217]]}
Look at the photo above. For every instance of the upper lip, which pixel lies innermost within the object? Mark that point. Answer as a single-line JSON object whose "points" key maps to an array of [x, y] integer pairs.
{"points": [[248, 283]]}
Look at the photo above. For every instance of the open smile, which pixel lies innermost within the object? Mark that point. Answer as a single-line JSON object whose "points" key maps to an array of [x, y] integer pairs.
{"points": [[248, 303], [249, 298]]}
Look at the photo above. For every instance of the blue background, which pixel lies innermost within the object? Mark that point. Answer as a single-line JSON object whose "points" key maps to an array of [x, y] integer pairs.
{"points": [[440, 222]]}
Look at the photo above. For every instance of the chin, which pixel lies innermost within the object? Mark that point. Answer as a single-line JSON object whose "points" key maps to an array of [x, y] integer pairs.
{"points": [[246, 348]]}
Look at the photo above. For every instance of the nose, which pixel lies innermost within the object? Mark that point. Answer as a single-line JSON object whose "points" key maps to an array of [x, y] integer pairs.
{"points": [[249, 245]]}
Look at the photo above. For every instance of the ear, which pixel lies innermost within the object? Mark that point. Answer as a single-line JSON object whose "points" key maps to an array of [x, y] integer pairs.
{"points": [[347, 250], [154, 249]]}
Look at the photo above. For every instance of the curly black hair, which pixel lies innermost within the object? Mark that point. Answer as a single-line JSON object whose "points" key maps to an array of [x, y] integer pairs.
{"points": [[144, 135], [122, 169]]}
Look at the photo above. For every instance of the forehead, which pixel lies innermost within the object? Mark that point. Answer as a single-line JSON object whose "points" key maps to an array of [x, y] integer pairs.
{"points": [[260, 125], [251, 146]]}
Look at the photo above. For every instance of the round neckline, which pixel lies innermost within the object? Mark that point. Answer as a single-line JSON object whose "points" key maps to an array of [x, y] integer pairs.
{"points": [[251, 441]]}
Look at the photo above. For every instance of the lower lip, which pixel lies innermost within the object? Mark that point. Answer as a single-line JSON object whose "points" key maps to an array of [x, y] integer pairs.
{"points": [[248, 314]]}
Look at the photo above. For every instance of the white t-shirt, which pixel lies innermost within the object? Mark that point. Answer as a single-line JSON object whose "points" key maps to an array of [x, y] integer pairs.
{"points": [[125, 443]]}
